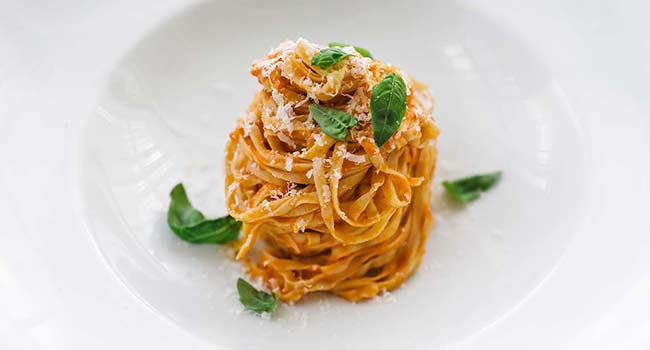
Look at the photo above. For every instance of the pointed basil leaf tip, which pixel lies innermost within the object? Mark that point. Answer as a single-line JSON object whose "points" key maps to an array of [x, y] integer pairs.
{"points": [[191, 225], [363, 52], [328, 57], [332, 122], [388, 106], [469, 188], [253, 299]]}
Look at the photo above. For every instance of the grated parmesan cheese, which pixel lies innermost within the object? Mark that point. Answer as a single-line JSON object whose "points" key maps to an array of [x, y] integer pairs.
{"points": [[266, 112], [359, 67], [276, 194], [288, 163], [284, 112], [363, 118], [248, 124], [318, 138], [326, 194], [282, 115], [318, 163], [312, 97], [300, 224], [359, 105], [265, 204]]}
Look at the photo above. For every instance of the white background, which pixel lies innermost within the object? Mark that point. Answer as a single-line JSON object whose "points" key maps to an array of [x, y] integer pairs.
{"points": [[57, 292]]}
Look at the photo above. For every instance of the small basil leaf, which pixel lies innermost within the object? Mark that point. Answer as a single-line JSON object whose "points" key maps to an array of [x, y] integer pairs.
{"points": [[387, 105], [191, 225], [253, 299], [469, 188], [363, 52], [328, 57], [332, 121]]}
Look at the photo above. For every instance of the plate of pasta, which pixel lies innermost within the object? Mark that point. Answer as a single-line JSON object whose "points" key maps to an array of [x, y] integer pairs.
{"points": [[280, 175]]}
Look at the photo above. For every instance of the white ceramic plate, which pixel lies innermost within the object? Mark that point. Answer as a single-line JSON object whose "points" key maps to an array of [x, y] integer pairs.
{"points": [[103, 108]]}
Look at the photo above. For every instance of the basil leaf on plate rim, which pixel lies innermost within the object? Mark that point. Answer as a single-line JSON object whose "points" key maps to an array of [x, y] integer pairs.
{"points": [[363, 52], [469, 188], [388, 106], [253, 299], [191, 225], [332, 122], [328, 57]]}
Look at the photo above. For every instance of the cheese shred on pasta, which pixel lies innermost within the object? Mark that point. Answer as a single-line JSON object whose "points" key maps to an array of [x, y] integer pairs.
{"points": [[345, 217]]}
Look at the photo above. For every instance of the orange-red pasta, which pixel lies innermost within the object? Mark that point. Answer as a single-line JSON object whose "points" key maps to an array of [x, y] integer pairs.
{"points": [[345, 217]]}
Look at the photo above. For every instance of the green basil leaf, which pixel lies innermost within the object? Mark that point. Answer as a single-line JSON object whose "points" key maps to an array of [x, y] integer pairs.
{"points": [[387, 105], [363, 52], [469, 188], [332, 121], [191, 225], [253, 299], [328, 57]]}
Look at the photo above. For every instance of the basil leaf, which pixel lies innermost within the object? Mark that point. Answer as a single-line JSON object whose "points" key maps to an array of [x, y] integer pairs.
{"points": [[387, 105], [328, 57], [469, 188], [253, 299], [332, 121], [190, 225], [363, 52]]}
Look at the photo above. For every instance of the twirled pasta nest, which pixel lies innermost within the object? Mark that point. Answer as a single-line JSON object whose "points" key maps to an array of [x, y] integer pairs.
{"points": [[346, 217]]}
